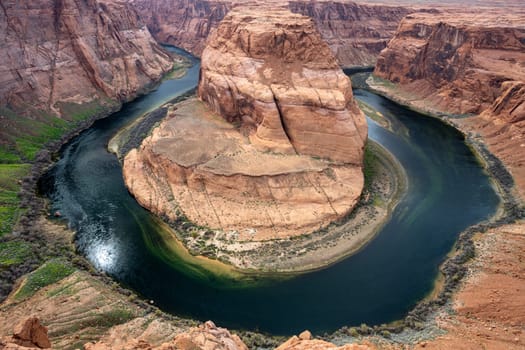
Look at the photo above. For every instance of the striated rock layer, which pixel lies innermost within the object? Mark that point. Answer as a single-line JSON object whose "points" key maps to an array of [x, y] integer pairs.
{"points": [[59, 52], [355, 33], [458, 62], [466, 63], [279, 153]]}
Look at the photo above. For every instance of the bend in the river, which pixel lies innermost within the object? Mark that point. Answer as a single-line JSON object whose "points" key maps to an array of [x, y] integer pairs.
{"points": [[447, 192]]}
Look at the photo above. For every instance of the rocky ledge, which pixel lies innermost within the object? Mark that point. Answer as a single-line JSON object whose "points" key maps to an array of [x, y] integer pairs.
{"points": [[276, 148], [469, 65]]}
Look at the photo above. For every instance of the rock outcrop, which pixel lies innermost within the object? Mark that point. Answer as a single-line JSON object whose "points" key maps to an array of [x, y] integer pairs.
{"points": [[183, 23], [59, 51], [356, 33], [279, 153], [305, 341], [58, 56], [471, 64], [29, 334], [205, 337], [272, 74], [456, 61]]}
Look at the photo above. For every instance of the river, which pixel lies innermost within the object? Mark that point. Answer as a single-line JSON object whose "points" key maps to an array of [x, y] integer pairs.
{"points": [[447, 192]]}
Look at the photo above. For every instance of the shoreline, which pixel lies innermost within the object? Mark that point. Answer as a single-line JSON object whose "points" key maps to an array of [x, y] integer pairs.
{"points": [[501, 178], [336, 334], [420, 322], [312, 251]]}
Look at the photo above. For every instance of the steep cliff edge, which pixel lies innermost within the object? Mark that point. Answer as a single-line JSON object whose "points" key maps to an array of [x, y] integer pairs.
{"points": [[469, 64], [355, 33], [275, 150], [68, 58], [457, 62]]}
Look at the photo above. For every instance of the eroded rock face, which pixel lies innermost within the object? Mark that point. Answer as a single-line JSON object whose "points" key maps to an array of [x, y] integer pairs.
{"points": [[355, 33], [457, 61], [54, 52], [28, 334], [469, 63], [183, 23], [275, 150], [205, 337], [272, 74]]}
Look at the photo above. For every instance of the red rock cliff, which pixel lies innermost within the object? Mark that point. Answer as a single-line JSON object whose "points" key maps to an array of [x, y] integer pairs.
{"points": [[75, 51], [456, 61], [465, 62], [276, 149], [281, 82], [356, 33]]}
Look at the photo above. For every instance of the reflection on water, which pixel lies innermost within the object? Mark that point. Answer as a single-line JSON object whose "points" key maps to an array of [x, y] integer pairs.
{"points": [[104, 255], [447, 192]]}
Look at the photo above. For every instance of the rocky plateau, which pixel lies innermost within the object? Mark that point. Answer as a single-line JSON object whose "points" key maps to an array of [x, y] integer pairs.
{"points": [[277, 147]]}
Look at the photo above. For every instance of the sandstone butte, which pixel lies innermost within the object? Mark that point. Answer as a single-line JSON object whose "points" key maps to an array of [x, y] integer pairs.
{"points": [[468, 63], [276, 149], [66, 57], [356, 33]]}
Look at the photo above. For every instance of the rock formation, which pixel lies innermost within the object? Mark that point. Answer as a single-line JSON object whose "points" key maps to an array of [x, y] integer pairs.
{"points": [[457, 62], [58, 51], [355, 33], [305, 342], [283, 153], [466, 63], [183, 23], [28, 334], [281, 83], [60, 54], [205, 337]]}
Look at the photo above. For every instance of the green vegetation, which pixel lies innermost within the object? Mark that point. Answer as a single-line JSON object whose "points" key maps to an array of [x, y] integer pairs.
{"points": [[373, 114], [370, 163], [178, 71], [108, 319], [77, 112], [22, 137], [13, 252], [51, 272], [10, 174]]}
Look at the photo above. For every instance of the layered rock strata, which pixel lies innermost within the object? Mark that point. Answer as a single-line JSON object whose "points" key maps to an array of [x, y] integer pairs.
{"points": [[458, 62], [56, 52], [466, 63], [277, 149], [356, 33]]}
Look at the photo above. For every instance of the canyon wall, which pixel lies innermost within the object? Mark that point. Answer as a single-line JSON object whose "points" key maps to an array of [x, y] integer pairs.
{"points": [[355, 33], [457, 62], [59, 52], [277, 147], [467, 63], [281, 83]]}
